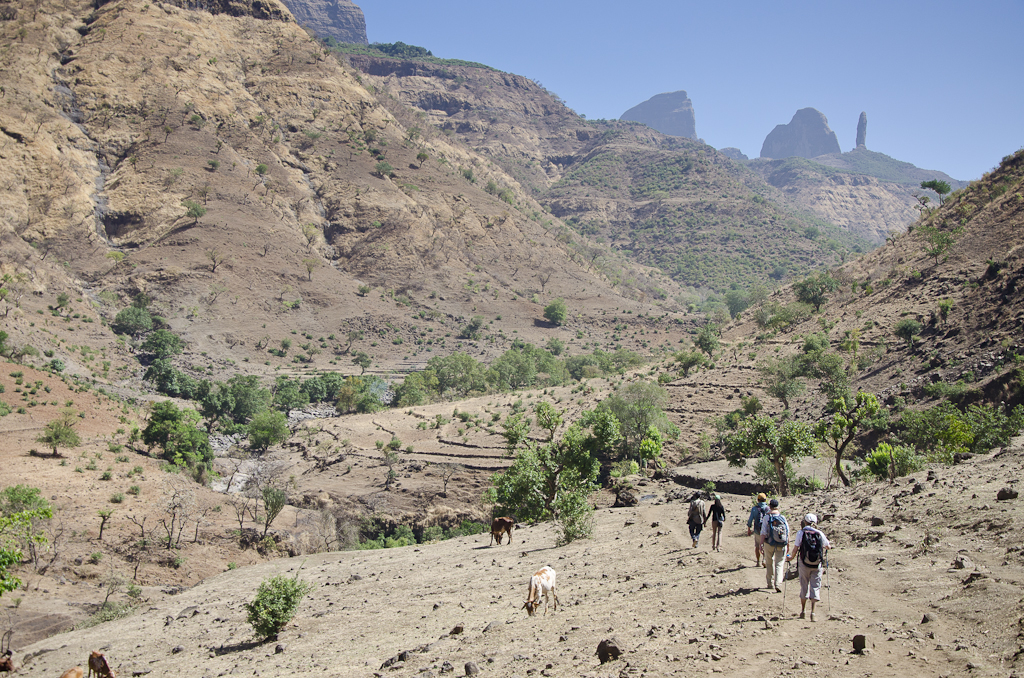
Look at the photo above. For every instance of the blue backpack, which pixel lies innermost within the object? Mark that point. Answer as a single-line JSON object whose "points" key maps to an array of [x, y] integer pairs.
{"points": [[778, 533]]}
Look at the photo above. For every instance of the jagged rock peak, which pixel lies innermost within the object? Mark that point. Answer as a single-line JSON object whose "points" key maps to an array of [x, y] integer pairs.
{"points": [[862, 130], [338, 19], [733, 153], [807, 135], [669, 113]]}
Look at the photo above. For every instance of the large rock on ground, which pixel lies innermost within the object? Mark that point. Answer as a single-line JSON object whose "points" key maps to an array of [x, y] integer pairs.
{"points": [[669, 113], [338, 19], [807, 135]]}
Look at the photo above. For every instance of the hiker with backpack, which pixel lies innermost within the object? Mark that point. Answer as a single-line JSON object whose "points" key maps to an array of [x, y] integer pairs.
{"points": [[810, 545], [775, 533], [757, 514], [696, 517], [716, 514]]}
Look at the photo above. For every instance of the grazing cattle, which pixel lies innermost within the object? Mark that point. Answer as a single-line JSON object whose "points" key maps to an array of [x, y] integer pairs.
{"points": [[72, 673], [98, 665], [500, 526], [542, 581]]}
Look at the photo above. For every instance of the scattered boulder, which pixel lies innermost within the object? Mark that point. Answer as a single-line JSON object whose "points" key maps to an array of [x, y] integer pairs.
{"points": [[447, 667], [877, 521], [962, 562], [472, 669], [457, 630], [1006, 493], [280, 648], [928, 618], [625, 499], [861, 643], [608, 650], [177, 648]]}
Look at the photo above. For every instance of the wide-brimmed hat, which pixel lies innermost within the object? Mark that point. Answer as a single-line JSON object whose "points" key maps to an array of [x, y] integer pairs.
{"points": [[811, 519]]}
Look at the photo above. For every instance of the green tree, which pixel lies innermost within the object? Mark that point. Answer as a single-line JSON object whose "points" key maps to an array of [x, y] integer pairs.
{"points": [[938, 240], [177, 433], [384, 169], [421, 158], [163, 344], [940, 187], [907, 329], [132, 320], [549, 417], [515, 431], [274, 501], [472, 329], [637, 408], [60, 432], [551, 481], [362, 360], [814, 289], [193, 210], [760, 436], [275, 604], [847, 420], [737, 301], [269, 427], [650, 448], [707, 339], [17, 528], [690, 359], [557, 312], [458, 373], [781, 379]]}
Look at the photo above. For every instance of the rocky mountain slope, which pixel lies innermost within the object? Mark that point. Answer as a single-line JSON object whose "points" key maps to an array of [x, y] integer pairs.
{"points": [[670, 113]]}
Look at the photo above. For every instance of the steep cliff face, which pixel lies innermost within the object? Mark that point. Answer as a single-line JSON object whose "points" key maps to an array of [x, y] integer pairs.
{"points": [[338, 19], [670, 113], [807, 135]]}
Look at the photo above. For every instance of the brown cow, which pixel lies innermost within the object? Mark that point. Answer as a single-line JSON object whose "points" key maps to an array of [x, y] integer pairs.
{"points": [[72, 673], [6, 662], [502, 525], [98, 665]]}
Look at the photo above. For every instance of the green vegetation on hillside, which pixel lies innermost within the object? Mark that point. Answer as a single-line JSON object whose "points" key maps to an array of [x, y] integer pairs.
{"points": [[400, 50]]}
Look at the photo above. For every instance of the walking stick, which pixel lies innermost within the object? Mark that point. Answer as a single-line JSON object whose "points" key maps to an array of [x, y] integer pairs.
{"points": [[785, 582], [828, 587]]}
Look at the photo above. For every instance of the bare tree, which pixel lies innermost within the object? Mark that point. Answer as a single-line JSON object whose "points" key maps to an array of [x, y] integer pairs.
{"points": [[179, 509], [216, 258], [447, 471]]}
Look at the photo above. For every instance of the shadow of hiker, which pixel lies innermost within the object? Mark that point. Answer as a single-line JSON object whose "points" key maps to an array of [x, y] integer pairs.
{"points": [[237, 647], [737, 592]]}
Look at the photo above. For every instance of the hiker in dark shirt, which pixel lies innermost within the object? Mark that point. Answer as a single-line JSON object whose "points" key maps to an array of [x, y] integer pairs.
{"points": [[717, 517], [695, 518]]}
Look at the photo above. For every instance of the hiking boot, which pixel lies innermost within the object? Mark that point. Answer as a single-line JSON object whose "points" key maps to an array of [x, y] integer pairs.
{"points": [[801, 616], [778, 590]]}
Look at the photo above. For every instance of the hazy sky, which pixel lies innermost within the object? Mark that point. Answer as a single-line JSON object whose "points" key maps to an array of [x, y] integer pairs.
{"points": [[942, 82]]}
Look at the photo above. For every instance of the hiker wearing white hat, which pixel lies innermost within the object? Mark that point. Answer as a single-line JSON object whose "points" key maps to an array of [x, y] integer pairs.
{"points": [[811, 544]]}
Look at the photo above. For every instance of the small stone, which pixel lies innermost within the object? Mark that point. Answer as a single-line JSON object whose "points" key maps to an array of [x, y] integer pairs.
{"points": [[860, 643], [456, 630], [490, 627], [877, 521], [962, 562], [281, 647], [177, 648], [928, 618], [472, 669], [446, 667], [1006, 493]]}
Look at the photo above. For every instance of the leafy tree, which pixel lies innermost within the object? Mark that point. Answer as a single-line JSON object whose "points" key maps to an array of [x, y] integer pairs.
{"points": [[760, 436], [549, 417], [814, 289], [132, 320], [422, 157], [274, 501], [737, 301], [17, 528], [193, 210], [269, 427], [555, 346], [177, 432], [275, 604], [707, 339], [906, 329], [60, 432], [556, 312], [472, 329], [248, 397], [651, 448], [846, 422], [163, 344], [938, 240], [781, 379], [516, 431], [363, 361], [937, 185], [889, 462], [384, 169], [458, 373], [690, 359], [417, 388], [550, 481], [637, 408]]}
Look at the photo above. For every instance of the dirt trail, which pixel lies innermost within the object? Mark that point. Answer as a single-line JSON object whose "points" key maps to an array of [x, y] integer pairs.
{"points": [[674, 610]]}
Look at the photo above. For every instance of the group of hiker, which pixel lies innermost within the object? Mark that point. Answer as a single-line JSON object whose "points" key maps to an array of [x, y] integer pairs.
{"points": [[772, 543]]}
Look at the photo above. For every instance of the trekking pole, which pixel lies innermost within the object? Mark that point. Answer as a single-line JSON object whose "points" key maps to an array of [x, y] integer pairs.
{"points": [[785, 582], [828, 587]]}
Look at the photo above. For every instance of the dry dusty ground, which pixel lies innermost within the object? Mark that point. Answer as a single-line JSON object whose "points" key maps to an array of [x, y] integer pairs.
{"points": [[673, 610]]}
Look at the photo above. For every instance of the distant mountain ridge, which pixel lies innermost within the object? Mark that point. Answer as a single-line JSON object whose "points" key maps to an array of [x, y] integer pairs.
{"points": [[670, 113]]}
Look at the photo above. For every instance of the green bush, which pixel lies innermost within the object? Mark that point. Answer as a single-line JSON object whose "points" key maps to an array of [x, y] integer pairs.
{"points": [[907, 461], [433, 533], [275, 603]]}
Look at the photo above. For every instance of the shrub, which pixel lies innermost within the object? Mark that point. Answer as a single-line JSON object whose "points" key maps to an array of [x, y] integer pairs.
{"points": [[881, 460], [275, 603], [95, 557], [556, 311], [907, 329], [117, 498]]}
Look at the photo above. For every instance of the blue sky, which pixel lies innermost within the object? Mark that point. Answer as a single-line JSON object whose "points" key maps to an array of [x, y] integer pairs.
{"points": [[941, 82]]}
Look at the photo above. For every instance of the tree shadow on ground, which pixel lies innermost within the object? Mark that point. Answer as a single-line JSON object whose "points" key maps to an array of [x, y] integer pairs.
{"points": [[237, 647]]}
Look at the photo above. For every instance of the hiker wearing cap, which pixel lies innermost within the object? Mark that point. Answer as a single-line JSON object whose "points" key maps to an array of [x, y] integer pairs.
{"points": [[757, 514], [775, 534], [695, 518], [717, 517], [809, 548]]}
